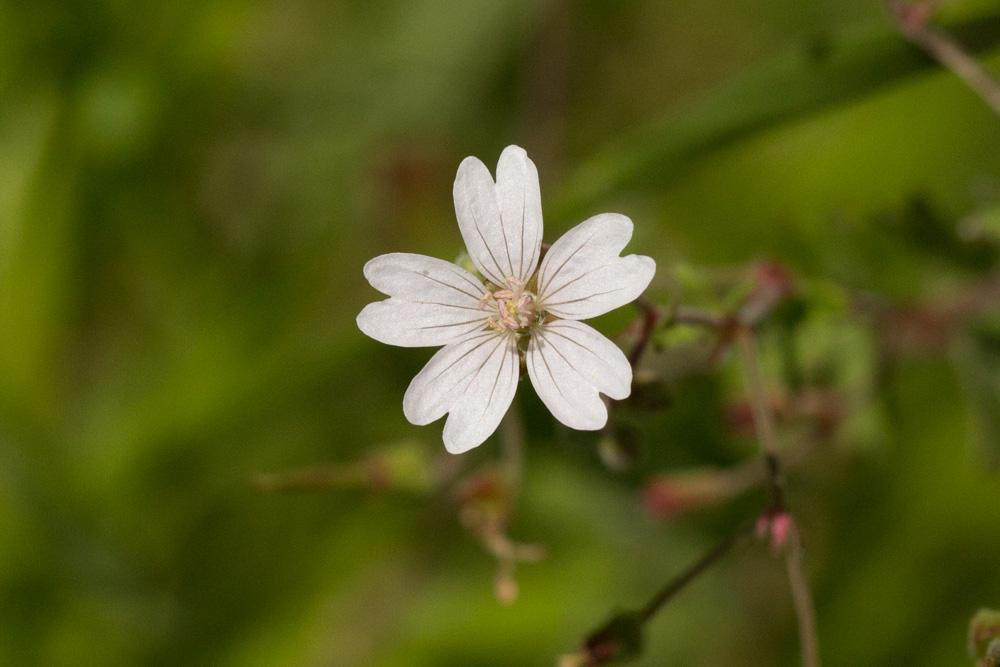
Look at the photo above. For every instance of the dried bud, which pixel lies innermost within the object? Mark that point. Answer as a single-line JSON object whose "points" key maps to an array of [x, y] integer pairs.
{"points": [[505, 588]]}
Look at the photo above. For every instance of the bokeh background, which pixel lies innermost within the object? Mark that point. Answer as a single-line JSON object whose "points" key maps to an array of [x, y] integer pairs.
{"points": [[188, 192]]}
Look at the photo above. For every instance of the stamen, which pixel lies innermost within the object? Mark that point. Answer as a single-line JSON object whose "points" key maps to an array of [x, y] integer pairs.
{"points": [[515, 308]]}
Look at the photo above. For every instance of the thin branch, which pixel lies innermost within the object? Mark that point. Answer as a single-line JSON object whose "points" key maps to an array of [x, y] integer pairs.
{"points": [[762, 416], [693, 571], [912, 21], [802, 597], [650, 318], [620, 638], [695, 316]]}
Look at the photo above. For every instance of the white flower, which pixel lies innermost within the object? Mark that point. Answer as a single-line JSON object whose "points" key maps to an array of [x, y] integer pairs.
{"points": [[487, 328]]}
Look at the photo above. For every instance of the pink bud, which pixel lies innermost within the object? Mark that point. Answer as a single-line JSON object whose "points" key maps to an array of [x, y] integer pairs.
{"points": [[781, 526], [775, 528], [667, 497]]}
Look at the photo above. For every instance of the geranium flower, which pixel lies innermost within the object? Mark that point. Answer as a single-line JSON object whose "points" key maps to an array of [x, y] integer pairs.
{"points": [[510, 314]]}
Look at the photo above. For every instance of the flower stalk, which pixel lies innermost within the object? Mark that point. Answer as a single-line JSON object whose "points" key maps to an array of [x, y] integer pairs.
{"points": [[912, 19], [790, 540]]}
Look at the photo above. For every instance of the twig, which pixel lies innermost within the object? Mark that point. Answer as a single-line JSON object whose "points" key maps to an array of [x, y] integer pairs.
{"points": [[681, 581], [685, 315], [762, 417], [912, 21], [651, 316], [620, 638], [802, 598]]}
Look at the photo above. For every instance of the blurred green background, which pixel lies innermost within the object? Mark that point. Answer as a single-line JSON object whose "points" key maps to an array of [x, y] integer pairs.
{"points": [[188, 192]]}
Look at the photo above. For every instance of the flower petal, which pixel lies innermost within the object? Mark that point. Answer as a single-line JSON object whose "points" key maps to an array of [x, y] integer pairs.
{"points": [[520, 202], [479, 220], [500, 222], [433, 302], [474, 381], [569, 363], [582, 275]]}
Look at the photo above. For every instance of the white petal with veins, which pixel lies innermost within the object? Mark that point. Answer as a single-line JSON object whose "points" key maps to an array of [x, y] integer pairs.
{"points": [[582, 275], [479, 220], [473, 381], [569, 364], [520, 201], [432, 302], [501, 222]]}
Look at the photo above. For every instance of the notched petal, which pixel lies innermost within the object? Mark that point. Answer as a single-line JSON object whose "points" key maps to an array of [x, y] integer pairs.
{"points": [[582, 276], [432, 302], [472, 381], [520, 200], [501, 221], [570, 364]]}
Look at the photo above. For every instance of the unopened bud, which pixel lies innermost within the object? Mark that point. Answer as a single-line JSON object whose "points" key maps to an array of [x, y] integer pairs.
{"points": [[775, 529], [618, 640]]}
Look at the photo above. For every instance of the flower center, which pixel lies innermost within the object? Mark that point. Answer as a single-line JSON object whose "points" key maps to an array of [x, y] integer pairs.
{"points": [[514, 309]]}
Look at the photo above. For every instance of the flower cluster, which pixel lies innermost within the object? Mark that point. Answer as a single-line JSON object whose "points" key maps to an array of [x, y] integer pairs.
{"points": [[520, 308]]}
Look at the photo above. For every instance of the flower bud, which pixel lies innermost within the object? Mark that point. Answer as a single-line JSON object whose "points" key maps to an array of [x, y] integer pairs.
{"points": [[618, 640], [667, 497], [775, 529]]}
